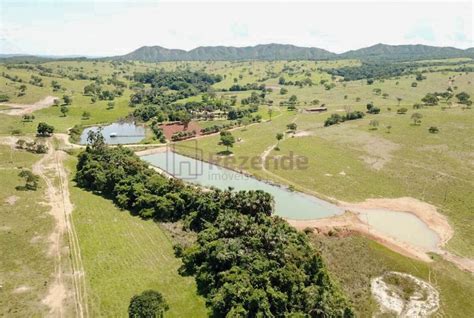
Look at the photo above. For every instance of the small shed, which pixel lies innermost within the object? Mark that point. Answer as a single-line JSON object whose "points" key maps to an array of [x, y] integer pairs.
{"points": [[317, 109]]}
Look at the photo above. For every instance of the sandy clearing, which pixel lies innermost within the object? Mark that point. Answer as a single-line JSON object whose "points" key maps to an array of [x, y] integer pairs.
{"points": [[303, 133], [21, 289], [11, 200], [22, 109], [422, 303], [151, 151]]}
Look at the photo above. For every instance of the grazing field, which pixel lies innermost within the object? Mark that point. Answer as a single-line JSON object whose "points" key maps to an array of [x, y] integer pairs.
{"points": [[124, 255], [353, 162], [25, 225]]}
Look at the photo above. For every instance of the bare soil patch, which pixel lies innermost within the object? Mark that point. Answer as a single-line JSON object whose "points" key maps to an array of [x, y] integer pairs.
{"points": [[11, 200], [404, 295], [22, 109], [170, 129], [21, 289]]}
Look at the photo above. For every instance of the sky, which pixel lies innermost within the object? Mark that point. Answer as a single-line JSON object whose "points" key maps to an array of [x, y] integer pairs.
{"points": [[104, 28]]}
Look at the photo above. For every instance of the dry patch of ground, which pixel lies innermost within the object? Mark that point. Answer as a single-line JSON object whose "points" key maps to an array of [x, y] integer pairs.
{"points": [[377, 150], [22, 109], [21, 289], [404, 295], [11, 200]]}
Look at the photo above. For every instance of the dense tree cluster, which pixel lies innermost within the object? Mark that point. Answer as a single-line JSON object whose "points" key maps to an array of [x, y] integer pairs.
{"points": [[247, 87], [336, 118], [245, 262], [182, 135]]}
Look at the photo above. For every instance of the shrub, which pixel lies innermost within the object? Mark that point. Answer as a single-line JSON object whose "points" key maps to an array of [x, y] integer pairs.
{"points": [[149, 304], [402, 111]]}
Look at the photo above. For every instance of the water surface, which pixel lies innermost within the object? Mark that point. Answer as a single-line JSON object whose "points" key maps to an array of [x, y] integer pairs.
{"points": [[126, 133], [293, 205], [402, 226]]}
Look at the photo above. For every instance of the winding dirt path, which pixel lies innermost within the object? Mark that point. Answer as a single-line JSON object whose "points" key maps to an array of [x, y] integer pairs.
{"points": [[51, 169], [22, 109]]}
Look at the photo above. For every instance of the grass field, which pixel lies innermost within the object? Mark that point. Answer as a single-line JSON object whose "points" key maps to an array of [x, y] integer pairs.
{"points": [[351, 162], [355, 260], [25, 224], [124, 255]]}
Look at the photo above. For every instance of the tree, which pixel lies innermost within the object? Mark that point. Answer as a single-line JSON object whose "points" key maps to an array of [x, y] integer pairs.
{"points": [[67, 99], [31, 180], [402, 110], [64, 110], [149, 304], [416, 117], [246, 121], [279, 136], [44, 130], [283, 91], [464, 98], [433, 130], [56, 102], [292, 127], [399, 99], [86, 115], [430, 99], [281, 80], [227, 139], [389, 128], [110, 105], [374, 124], [185, 120], [270, 113], [370, 81]]}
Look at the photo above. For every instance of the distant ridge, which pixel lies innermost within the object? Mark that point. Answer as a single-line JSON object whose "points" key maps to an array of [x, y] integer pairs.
{"points": [[292, 52], [407, 52], [378, 52], [228, 53]]}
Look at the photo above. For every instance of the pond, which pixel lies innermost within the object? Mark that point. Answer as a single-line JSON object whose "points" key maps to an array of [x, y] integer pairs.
{"points": [[117, 133], [402, 226]]}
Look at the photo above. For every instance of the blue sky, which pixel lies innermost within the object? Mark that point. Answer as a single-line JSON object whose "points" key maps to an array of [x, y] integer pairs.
{"points": [[107, 27]]}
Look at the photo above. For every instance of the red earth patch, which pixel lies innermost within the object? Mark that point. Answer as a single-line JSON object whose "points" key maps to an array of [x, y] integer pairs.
{"points": [[171, 128]]}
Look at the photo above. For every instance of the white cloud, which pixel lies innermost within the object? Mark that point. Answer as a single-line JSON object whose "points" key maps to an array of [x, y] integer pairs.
{"points": [[110, 28]]}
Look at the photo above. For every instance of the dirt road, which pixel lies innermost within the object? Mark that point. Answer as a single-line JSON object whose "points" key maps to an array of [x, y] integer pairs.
{"points": [[22, 109], [67, 271]]}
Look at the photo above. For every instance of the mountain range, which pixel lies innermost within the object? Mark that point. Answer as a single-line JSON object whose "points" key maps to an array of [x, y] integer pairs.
{"points": [[378, 52], [292, 52]]}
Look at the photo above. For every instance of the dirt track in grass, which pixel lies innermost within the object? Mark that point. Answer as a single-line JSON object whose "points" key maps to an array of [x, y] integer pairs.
{"points": [[23, 109]]}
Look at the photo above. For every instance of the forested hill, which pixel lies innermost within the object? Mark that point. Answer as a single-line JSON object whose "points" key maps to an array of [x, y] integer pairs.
{"points": [[291, 52], [229, 53], [406, 52]]}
